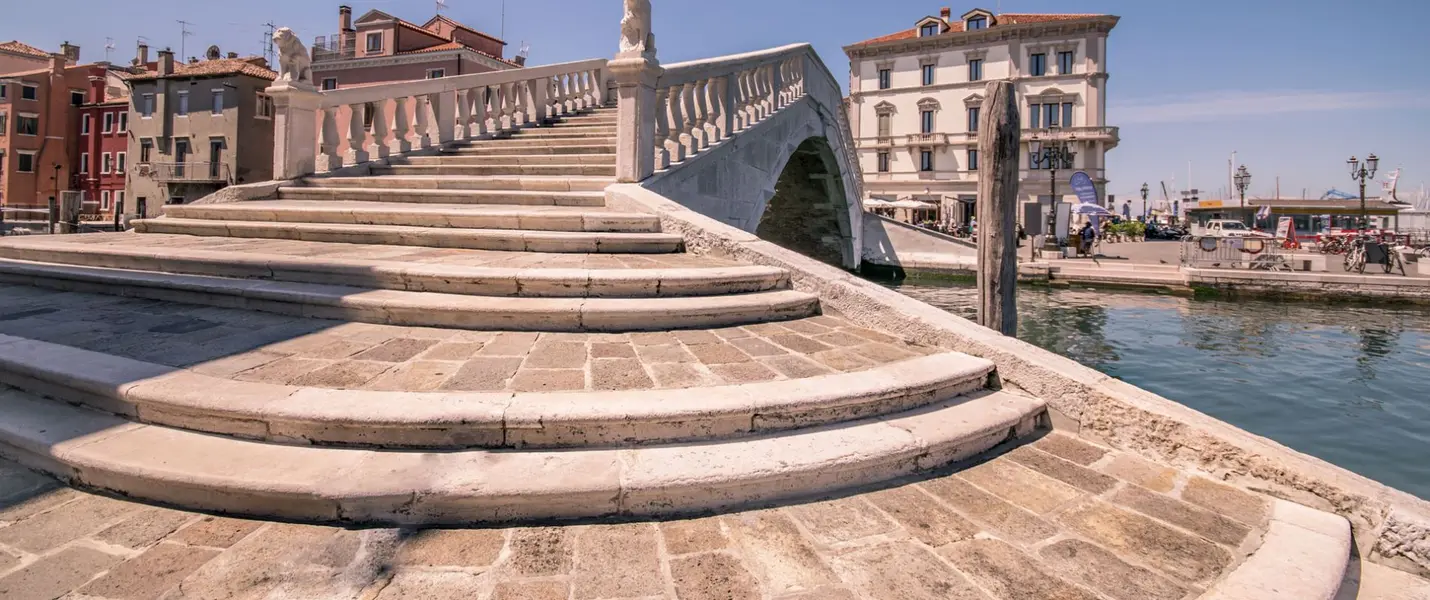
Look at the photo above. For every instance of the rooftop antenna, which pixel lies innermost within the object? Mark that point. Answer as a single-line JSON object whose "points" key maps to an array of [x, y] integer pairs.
{"points": [[503, 20], [268, 41], [184, 34], [108, 48], [441, 4]]}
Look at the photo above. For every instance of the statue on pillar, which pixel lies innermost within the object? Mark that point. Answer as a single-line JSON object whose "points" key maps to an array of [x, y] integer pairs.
{"points": [[294, 64], [636, 37]]}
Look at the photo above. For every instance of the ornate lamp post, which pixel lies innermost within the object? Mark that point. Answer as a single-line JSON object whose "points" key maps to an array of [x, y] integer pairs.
{"points": [[1242, 179], [1361, 172], [1054, 155], [1144, 202]]}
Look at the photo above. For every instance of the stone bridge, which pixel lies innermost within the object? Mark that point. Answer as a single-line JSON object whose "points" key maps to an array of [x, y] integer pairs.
{"points": [[602, 297]]}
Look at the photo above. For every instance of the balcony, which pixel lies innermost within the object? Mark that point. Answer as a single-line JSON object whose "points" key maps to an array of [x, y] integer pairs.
{"points": [[1090, 134], [926, 140], [188, 172], [334, 47]]}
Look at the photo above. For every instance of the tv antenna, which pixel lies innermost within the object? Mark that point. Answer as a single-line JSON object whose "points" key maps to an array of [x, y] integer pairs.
{"points": [[268, 41], [108, 48], [441, 4], [184, 34]]}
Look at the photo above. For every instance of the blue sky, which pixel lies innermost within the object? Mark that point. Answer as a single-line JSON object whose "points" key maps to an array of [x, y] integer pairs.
{"points": [[1293, 86]]}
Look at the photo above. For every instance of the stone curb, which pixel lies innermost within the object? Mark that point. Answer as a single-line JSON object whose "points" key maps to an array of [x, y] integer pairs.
{"points": [[185, 399], [460, 216], [1303, 556], [414, 277], [480, 197], [510, 240], [1095, 405], [534, 183], [212, 473], [423, 309]]}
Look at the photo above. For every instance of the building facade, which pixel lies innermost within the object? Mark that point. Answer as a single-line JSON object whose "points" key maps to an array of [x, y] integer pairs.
{"points": [[381, 48], [195, 128], [39, 128], [916, 97], [103, 153], [17, 56]]}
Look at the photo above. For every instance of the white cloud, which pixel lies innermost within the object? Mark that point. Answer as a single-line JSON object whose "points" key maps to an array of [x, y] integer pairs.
{"points": [[1208, 106]]}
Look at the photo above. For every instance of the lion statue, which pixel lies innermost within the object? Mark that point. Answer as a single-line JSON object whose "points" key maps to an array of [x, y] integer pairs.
{"points": [[294, 64], [636, 37]]}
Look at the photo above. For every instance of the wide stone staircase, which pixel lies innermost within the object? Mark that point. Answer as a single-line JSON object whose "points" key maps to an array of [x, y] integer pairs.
{"points": [[460, 337]]}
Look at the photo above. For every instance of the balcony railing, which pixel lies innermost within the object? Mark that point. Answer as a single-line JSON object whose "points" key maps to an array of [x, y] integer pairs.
{"points": [[334, 47], [927, 139], [188, 172]]}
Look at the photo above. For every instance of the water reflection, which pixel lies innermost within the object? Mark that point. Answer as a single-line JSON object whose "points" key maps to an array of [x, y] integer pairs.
{"points": [[1347, 383]]}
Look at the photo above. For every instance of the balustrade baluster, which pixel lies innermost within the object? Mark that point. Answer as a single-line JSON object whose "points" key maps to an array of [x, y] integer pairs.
{"points": [[401, 126], [422, 117], [378, 144], [673, 142], [503, 116], [662, 128], [478, 98], [598, 88], [538, 89], [357, 135], [464, 116], [715, 126], [328, 156], [444, 114], [690, 134]]}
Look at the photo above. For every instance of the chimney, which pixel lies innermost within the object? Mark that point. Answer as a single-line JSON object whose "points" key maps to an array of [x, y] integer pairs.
{"points": [[143, 57], [233, 55], [57, 63], [71, 52], [345, 19], [945, 13], [166, 62], [519, 60]]}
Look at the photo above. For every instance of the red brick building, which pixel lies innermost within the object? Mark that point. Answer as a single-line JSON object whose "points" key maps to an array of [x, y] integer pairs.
{"points": [[102, 152]]}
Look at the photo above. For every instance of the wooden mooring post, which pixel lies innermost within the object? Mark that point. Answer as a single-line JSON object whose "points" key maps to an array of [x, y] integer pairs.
{"points": [[998, 138]]}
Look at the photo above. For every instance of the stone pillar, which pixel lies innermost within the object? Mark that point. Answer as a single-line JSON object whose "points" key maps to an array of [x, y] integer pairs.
{"points": [[635, 116], [295, 128]]}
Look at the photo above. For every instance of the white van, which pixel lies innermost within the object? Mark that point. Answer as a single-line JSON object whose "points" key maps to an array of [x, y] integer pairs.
{"points": [[1230, 228]]}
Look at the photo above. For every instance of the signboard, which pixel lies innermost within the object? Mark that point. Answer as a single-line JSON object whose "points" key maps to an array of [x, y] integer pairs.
{"points": [[1285, 229], [1083, 187], [1209, 204]]}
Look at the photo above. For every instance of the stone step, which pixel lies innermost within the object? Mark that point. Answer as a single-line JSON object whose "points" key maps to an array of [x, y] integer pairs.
{"points": [[554, 133], [511, 240], [608, 160], [1304, 555], [222, 474], [183, 399], [465, 197], [324, 268], [520, 147], [535, 218], [533, 183], [421, 309], [489, 169], [601, 128], [596, 118], [523, 142]]}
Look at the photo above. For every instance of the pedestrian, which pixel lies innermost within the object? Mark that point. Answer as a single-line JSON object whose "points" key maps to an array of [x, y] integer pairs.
{"points": [[973, 226]]}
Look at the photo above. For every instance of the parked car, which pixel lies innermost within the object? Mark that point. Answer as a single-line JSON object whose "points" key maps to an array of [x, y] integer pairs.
{"points": [[1230, 228]]}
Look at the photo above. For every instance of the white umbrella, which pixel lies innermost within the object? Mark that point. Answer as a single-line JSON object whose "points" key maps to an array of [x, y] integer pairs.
{"points": [[912, 204], [1087, 208], [876, 203]]}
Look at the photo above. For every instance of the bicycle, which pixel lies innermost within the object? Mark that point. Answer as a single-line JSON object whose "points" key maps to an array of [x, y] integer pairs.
{"points": [[1355, 257]]}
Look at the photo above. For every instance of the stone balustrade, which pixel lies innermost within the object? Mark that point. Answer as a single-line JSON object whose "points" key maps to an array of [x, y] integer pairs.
{"points": [[319, 131]]}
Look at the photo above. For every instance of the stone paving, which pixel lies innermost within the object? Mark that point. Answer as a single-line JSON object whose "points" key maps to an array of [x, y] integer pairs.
{"points": [[259, 347], [1057, 519], [394, 254]]}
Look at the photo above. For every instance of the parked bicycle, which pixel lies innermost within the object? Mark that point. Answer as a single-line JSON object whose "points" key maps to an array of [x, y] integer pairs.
{"points": [[1363, 250]]}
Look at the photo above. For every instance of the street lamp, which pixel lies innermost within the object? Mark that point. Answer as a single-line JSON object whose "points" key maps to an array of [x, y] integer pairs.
{"points": [[1144, 202], [1242, 179], [1361, 172], [1056, 154]]}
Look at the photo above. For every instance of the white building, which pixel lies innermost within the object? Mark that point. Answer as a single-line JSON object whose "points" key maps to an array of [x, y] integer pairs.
{"points": [[915, 97]]}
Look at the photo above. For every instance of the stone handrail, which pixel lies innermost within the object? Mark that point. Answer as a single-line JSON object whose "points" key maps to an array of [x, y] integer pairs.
{"points": [[703, 102], [355, 125]]}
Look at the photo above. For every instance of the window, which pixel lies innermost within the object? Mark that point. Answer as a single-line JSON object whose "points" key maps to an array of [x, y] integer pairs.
{"points": [[119, 161], [972, 160], [978, 23], [104, 200], [84, 163], [29, 91], [76, 98], [883, 162], [973, 119], [27, 124], [1067, 114], [330, 83], [183, 104], [926, 160], [884, 79], [4, 90], [123, 122], [926, 121], [146, 146], [84, 125], [108, 122], [884, 125], [928, 30], [146, 106], [1065, 63], [4, 121], [217, 102], [374, 42], [1034, 111], [1038, 64], [107, 164], [1051, 114], [25, 161], [263, 104], [436, 73], [928, 74], [975, 69]]}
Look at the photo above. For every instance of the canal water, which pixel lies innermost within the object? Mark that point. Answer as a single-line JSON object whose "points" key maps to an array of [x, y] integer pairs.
{"points": [[1348, 383]]}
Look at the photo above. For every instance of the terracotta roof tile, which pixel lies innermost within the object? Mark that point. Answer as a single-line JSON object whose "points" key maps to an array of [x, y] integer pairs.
{"points": [[418, 28], [213, 68], [957, 26], [20, 47], [454, 23]]}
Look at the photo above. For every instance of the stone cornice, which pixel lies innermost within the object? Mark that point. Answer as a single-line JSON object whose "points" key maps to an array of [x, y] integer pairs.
{"points": [[984, 37], [979, 85]]}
